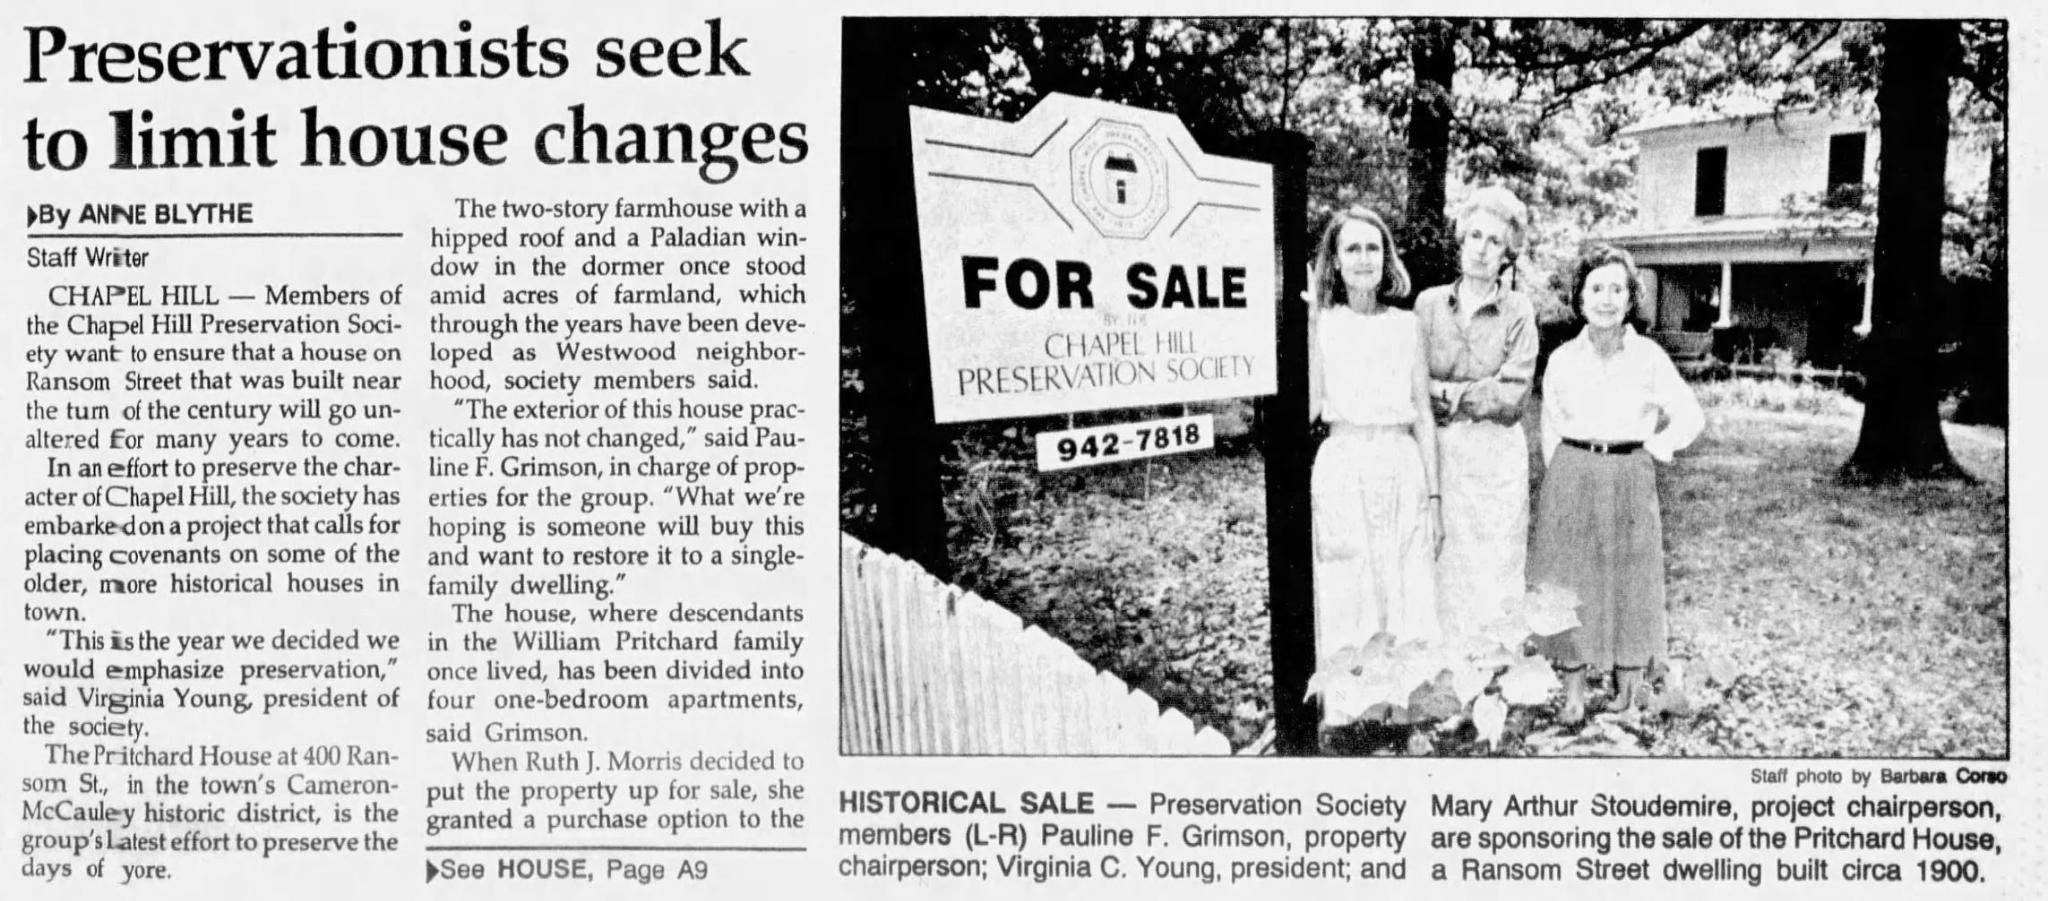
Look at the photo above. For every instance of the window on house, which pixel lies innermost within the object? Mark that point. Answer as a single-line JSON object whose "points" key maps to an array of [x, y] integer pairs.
{"points": [[1845, 170], [1710, 182]]}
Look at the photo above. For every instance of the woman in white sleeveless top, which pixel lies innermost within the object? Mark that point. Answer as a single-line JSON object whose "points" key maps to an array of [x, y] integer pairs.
{"points": [[1377, 526]]}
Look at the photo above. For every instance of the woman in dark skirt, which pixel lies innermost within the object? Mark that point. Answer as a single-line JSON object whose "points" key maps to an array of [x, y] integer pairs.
{"points": [[1598, 532]]}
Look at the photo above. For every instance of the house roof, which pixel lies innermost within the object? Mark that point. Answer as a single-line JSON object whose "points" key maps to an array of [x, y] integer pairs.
{"points": [[1744, 110], [1747, 239], [1748, 226]]}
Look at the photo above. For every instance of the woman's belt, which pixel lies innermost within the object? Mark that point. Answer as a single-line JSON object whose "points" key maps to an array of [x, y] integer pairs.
{"points": [[1355, 428], [1605, 447]]}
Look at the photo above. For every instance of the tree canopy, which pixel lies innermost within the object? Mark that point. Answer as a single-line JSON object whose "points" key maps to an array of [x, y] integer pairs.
{"points": [[1404, 114]]}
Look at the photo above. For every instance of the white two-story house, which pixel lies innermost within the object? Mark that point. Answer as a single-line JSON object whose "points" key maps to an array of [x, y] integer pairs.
{"points": [[1722, 259]]}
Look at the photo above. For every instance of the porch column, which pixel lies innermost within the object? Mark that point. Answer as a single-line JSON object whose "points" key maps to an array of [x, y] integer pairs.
{"points": [[1869, 279], [1652, 308], [1727, 295]]}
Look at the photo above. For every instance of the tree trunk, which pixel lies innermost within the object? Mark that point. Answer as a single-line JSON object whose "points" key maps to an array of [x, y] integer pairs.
{"points": [[1432, 52], [1901, 437], [1990, 398], [881, 271]]}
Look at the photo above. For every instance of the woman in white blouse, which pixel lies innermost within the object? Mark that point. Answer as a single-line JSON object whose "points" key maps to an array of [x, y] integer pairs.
{"points": [[1373, 489], [1599, 533]]}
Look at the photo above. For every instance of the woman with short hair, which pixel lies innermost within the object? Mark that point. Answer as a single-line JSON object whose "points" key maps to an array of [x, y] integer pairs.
{"points": [[1481, 341], [1599, 529]]}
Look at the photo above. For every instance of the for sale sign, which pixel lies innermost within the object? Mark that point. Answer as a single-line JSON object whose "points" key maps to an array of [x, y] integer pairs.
{"points": [[1088, 257]]}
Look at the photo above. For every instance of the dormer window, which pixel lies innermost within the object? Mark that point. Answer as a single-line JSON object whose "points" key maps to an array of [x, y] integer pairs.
{"points": [[1845, 169], [1710, 182]]}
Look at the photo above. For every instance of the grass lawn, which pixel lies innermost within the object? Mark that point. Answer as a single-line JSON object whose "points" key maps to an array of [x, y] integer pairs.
{"points": [[1854, 622], [1859, 622]]}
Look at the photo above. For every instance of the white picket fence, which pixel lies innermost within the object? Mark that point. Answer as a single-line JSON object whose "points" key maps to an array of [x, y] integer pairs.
{"points": [[926, 668]]}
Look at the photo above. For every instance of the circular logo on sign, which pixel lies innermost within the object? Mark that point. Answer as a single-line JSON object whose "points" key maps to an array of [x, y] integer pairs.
{"points": [[1119, 180]]}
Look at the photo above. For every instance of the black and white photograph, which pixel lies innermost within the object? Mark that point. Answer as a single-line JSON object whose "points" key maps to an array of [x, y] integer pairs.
{"points": [[1424, 387]]}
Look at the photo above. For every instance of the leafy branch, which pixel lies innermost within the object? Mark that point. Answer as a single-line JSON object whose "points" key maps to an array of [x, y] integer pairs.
{"points": [[1477, 675]]}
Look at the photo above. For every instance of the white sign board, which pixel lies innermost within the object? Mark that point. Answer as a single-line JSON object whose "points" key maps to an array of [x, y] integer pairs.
{"points": [[1089, 256]]}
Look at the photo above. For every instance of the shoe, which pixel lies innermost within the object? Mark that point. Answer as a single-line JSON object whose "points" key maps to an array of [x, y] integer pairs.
{"points": [[1573, 711], [1630, 690]]}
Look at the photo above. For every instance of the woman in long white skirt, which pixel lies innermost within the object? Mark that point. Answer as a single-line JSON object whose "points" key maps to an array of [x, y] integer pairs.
{"points": [[1377, 526], [1481, 343]]}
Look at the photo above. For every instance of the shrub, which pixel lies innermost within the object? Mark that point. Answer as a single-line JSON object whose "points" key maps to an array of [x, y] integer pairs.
{"points": [[1476, 676], [1777, 395], [1153, 569]]}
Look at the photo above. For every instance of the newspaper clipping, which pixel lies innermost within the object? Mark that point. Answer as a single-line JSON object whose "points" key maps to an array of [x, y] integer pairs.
{"points": [[624, 449]]}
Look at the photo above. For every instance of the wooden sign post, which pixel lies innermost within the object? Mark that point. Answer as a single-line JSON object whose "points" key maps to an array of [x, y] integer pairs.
{"points": [[1290, 554]]}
